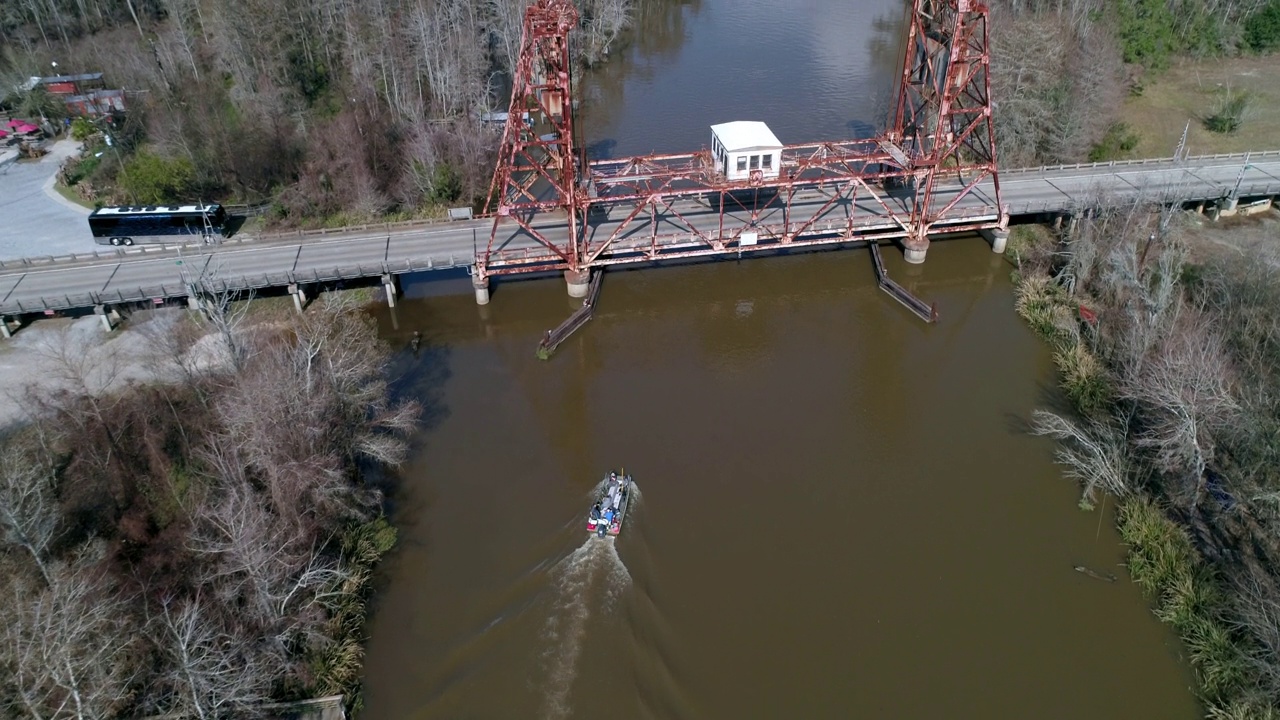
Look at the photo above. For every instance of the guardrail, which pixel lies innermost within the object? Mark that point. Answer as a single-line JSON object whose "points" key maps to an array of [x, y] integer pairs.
{"points": [[152, 293], [159, 249], [1254, 190], [1190, 160]]}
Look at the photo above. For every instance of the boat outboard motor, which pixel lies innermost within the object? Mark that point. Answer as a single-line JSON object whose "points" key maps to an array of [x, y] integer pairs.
{"points": [[602, 527]]}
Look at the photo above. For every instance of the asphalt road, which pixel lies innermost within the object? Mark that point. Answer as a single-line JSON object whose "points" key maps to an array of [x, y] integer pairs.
{"points": [[121, 276], [33, 221]]}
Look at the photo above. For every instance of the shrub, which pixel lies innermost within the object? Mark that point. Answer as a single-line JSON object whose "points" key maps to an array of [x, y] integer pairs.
{"points": [[1118, 142], [1083, 378], [1262, 29], [1037, 298], [81, 128], [151, 179], [1228, 113]]}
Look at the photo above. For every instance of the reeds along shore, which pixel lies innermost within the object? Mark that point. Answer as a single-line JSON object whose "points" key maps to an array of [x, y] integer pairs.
{"points": [[1172, 371]]}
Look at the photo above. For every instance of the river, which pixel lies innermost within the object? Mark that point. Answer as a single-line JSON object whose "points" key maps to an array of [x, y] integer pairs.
{"points": [[840, 511]]}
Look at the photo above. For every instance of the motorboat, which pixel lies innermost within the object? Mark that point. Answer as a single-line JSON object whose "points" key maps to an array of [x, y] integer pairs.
{"points": [[610, 510]]}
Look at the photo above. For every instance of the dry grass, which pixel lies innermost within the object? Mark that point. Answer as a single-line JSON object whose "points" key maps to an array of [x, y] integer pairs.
{"points": [[1253, 237], [1189, 90], [72, 195]]}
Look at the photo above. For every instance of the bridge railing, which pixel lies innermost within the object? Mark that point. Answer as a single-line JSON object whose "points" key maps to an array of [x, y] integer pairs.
{"points": [[142, 250], [1191, 160], [179, 288], [1037, 207]]}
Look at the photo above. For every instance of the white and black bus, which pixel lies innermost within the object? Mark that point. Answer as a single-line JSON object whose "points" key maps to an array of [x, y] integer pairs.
{"points": [[157, 224]]}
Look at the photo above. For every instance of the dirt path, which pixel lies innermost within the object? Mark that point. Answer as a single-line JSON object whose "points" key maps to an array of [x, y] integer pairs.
{"points": [[79, 353]]}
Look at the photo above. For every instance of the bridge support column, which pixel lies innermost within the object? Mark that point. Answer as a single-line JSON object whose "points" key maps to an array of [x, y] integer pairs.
{"points": [[1073, 222], [1227, 206], [389, 284], [109, 317], [481, 285], [299, 296], [914, 247], [9, 327], [579, 282], [998, 237]]}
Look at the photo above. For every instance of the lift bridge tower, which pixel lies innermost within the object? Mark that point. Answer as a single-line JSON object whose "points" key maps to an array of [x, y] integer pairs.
{"points": [[939, 149]]}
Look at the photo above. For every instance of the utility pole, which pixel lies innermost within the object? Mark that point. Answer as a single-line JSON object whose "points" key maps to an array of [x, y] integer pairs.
{"points": [[1235, 192], [1180, 154]]}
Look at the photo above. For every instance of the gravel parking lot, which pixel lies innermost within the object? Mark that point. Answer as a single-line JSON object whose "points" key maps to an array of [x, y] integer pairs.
{"points": [[34, 219]]}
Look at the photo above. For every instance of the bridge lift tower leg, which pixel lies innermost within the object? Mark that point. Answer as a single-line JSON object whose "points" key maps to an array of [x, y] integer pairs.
{"points": [[942, 119], [540, 164]]}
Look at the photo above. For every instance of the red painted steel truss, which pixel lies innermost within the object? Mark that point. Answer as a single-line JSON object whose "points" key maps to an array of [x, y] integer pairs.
{"points": [[537, 160], [943, 117], [933, 170]]}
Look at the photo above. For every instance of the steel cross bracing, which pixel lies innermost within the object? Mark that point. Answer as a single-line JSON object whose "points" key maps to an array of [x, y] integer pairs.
{"points": [[920, 176], [942, 121], [537, 160]]}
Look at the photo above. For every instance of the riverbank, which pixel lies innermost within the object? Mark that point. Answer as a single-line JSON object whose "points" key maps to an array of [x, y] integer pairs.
{"points": [[191, 524], [1164, 354]]}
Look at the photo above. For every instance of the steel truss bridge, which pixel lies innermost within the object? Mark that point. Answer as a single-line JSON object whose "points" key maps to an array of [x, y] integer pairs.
{"points": [[932, 171]]}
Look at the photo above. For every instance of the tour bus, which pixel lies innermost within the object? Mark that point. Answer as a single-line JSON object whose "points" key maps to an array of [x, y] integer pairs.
{"points": [[128, 225]]}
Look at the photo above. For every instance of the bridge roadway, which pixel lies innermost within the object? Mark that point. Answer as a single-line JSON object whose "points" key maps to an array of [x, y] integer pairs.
{"points": [[142, 274]]}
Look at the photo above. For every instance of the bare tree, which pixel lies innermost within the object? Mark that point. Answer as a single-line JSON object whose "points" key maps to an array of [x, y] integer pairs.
{"points": [[69, 642], [223, 308], [29, 515], [1185, 397], [213, 670], [1094, 452], [273, 570]]}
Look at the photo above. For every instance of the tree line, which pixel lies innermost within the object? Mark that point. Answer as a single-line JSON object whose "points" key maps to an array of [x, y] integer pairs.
{"points": [[326, 107], [202, 545], [1060, 70]]}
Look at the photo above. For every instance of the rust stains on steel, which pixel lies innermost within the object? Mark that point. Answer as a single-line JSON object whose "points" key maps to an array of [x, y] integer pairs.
{"points": [[919, 176], [553, 338]]}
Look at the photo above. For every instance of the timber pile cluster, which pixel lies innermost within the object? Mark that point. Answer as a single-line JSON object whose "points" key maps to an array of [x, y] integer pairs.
{"points": [[1173, 372], [200, 547]]}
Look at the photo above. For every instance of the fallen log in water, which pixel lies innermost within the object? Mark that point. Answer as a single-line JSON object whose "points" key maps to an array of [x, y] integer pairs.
{"points": [[1107, 577]]}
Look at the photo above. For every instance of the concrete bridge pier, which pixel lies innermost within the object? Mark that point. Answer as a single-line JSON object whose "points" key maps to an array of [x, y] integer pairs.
{"points": [[481, 285], [389, 284], [579, 282], [1072, 222], [299, 296], [109, 316], [914, 248], [998, 237], [8, 327]]}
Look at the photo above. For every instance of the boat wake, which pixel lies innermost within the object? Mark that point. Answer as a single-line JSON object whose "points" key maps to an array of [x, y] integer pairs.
{"points": [[591, 575]]}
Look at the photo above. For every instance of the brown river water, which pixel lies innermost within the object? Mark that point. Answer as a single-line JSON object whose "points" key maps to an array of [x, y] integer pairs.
{"points": [[840, 512]]}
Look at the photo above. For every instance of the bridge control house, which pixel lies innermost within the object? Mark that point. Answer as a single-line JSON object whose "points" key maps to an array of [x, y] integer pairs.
{"points": [[745, 147]]}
